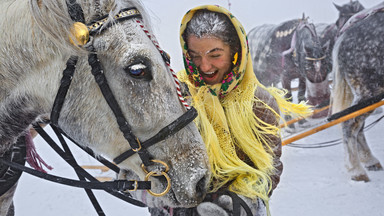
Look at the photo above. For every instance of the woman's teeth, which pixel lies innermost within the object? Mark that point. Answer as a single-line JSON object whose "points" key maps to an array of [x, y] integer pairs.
{"points": [[209, 73]]}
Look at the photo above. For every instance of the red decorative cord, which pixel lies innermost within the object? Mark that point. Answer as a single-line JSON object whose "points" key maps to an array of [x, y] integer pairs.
{"points": [[177, 82]]}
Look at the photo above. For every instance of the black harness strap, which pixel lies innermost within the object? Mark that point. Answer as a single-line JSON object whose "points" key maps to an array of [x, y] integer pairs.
{"points": [[59, 101], [89, 151], [63, 89], [75, 11], [133, 141], [112, 190], [238, 203], [89, 192], [8, 175], [172, 128], [117, 185]]}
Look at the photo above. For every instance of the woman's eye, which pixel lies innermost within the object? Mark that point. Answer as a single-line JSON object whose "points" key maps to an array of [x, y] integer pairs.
{"points": [[215, 56], [193, 57]]}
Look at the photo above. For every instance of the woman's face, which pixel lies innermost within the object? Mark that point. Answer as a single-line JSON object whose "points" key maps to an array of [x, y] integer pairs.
{"points": [[211, 56]]}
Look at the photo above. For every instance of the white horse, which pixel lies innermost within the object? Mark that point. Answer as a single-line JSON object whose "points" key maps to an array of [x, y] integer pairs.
{"points": [[34, 49]]}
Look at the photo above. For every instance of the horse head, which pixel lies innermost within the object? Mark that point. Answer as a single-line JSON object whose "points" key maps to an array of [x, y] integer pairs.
{"points": [[346, 11], [309, 55], [138, 78]]}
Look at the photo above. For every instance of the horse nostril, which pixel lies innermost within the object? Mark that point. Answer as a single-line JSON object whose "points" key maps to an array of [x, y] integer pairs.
{"points": [[201, 188]]}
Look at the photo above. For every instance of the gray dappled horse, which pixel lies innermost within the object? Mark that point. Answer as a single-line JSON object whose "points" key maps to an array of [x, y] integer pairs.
{"points": [[287, 51], [327, 35], [358, 76], [328, 32], [34, 49]]}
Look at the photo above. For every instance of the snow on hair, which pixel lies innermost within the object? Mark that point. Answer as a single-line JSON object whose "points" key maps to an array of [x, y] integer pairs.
{"points": [[205, 23]]}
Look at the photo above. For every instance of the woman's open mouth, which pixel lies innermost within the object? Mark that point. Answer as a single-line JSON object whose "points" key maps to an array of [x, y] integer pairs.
{"points": [[209, 76]]}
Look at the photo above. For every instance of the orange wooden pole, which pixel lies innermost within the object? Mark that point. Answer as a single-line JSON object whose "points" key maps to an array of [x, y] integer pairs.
{"points": [[102, 168], [332, 123], [298, 119]]}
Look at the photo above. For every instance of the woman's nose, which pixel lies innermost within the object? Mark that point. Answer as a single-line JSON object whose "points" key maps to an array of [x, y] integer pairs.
{"points": [[205, 65]]}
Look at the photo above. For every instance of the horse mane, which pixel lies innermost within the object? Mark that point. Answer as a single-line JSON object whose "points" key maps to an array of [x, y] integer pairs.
{"points": [[287, 25], [53, 18]]}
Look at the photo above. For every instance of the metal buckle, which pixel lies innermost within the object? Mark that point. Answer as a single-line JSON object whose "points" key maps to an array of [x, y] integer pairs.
{"points": [[138, 148], [136, 185]]}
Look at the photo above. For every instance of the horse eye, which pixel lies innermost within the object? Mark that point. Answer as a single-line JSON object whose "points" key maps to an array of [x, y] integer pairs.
{"points": [[138, 71]]}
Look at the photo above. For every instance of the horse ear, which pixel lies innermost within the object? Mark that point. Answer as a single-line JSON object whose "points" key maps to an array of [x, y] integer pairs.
{"points": [[337, 7], [357, 6], [326, 46]]}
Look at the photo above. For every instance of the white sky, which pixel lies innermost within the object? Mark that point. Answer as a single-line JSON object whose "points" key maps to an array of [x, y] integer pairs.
{"points": [[167, 14]]}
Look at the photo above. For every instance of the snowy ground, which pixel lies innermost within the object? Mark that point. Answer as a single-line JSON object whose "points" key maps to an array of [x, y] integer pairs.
{"points": [[315, 181]]}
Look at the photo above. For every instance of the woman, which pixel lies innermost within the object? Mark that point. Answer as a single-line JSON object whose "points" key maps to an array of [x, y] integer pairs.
{"points": [[238, 117]]}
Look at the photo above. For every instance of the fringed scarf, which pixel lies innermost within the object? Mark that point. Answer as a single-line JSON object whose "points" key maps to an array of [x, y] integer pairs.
{"points": [[228, 124]]}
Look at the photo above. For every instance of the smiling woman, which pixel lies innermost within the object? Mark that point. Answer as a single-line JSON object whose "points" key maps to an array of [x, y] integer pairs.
{"points": [[238, 117]]}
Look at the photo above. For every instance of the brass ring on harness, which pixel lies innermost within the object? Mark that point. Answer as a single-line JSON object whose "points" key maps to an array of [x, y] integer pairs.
{"points": [[153, 173], [156, 161], [138, 148]]}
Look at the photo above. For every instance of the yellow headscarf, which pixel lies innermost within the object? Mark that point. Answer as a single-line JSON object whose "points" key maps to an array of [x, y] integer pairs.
{"points": [[227, 122]]}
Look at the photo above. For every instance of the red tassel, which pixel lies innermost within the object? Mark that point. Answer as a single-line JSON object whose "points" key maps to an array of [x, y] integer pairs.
{"points": [[33, 158]]}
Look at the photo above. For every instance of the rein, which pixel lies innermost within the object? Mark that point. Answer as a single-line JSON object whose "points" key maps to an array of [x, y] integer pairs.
{"points": [[118, 188]]}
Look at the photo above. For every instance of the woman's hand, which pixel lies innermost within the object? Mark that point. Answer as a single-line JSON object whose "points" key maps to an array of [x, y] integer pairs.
{"points": [[223, 206]]}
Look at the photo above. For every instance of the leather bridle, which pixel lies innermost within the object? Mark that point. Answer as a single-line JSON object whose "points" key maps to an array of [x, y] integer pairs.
{"points": [[137, 146]]}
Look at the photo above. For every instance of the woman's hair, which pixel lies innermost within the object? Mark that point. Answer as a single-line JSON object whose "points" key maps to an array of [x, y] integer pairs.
{"points": [[205, 23]]}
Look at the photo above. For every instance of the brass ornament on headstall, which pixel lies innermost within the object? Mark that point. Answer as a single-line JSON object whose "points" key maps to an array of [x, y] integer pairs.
{"points": [[80, 33]]}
